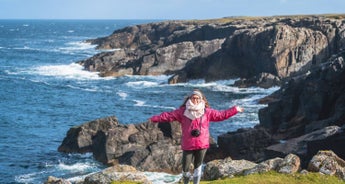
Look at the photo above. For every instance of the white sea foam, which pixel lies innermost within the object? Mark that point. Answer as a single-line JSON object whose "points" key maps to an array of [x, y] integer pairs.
{"points": [[139, 103], [141, 84], [79, 45], [78, 179], [162, 178], [71, 71], [75, 168], [91, 89], [122, 94], [28, 178]]}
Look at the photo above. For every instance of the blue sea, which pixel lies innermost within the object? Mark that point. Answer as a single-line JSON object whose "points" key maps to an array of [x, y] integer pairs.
{"points": [[44, 93]]}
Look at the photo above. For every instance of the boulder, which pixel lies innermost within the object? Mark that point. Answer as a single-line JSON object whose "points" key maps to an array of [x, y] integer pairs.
{"points": [[54, 180], [227, 167], [117, 173], [246, 144], [287, 165], [327, 162]]}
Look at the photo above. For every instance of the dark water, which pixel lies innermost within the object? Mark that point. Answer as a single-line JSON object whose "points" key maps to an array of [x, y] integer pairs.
{"points": [[43, 94]]}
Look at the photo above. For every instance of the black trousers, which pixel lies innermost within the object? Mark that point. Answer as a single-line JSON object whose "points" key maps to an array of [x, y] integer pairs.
{"points": [[192, 156]]}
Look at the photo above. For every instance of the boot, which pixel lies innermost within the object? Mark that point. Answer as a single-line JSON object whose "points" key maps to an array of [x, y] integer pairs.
{"points": [[196, 179], [186, 177], [185, 180]]}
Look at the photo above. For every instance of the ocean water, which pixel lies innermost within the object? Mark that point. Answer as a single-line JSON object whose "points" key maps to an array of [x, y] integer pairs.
{"points": [[44, 93]]}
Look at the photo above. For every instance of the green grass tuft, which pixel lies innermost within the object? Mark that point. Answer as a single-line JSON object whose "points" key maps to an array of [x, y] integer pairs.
{"points": [[270, 178], [277, 178]]}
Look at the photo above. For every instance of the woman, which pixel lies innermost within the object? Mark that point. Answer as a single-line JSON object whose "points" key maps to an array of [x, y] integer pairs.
{"points": [[195, 116]]}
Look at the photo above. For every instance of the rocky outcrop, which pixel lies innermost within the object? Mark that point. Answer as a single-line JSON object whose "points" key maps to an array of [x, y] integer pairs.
{"points": [[220, 49], [304, 116], [153, 49], [146, 146], [309, 102]]}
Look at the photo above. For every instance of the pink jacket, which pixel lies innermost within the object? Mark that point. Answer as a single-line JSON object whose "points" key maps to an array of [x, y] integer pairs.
{"points": [[189, 142]]}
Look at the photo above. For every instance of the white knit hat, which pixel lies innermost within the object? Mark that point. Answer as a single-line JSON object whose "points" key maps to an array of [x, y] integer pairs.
{"points": [[196, 93]]}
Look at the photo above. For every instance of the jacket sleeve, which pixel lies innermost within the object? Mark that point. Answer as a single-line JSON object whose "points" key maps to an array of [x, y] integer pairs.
{"points": [[167, 116], [215, 115]]}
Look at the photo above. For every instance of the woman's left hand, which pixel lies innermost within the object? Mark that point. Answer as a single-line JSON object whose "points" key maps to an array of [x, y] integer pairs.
{"points": [[239, 109]]}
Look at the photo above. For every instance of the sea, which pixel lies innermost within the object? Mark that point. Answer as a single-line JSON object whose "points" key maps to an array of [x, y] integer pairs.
{"points": [[43, 93]]}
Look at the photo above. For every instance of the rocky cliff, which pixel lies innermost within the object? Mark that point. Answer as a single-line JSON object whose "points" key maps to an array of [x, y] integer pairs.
{"points": [[305, 115], [221, 48]]}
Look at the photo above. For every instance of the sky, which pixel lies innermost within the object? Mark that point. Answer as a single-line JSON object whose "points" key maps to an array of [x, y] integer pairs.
{"points": [[163, 9]]}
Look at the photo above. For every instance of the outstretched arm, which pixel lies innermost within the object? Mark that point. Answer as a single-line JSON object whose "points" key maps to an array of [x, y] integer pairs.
{"points": [[166, 117], [216, 115]]}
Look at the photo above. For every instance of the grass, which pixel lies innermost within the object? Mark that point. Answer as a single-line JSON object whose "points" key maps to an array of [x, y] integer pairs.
{"points": [[277, 178], [225, 20], [270, 178]]}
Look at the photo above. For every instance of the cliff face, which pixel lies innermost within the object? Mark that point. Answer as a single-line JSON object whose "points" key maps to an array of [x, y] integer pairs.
{"points": [[220, 49], [305, 115]]}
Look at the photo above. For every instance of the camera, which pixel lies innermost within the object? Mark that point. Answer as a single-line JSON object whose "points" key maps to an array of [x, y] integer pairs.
{"points": [[195, 133]]}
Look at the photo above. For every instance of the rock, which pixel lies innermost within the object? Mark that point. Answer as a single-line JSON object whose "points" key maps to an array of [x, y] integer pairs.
{"points": [[79, 138], [54, 180], [246, 144], [289, 165], [327, 162], [308, 103], [299, 145], [263, 80], [226, 168], [265, 166], [117, 173], [140, 51], [333, 142]]}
